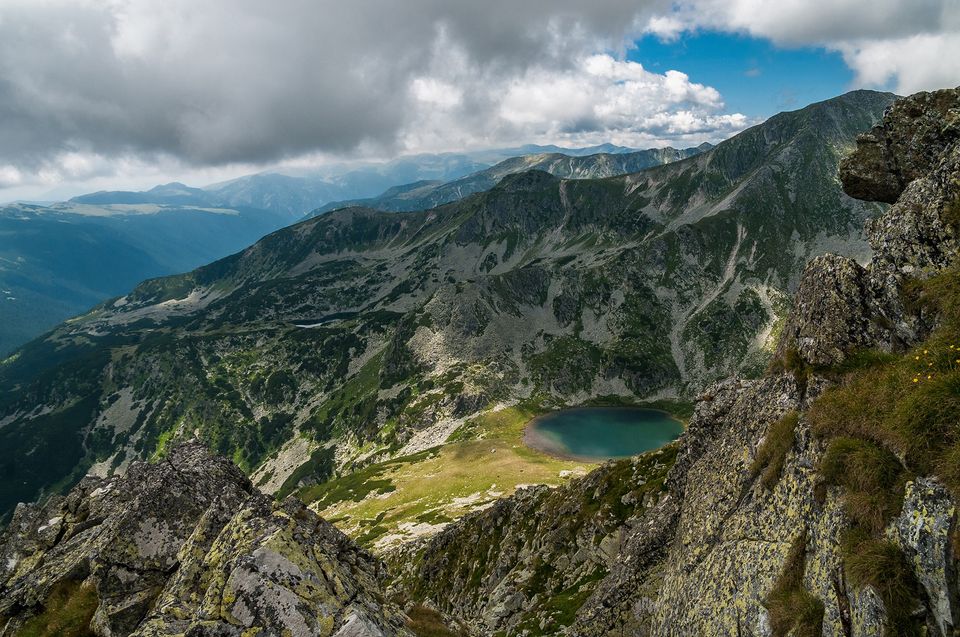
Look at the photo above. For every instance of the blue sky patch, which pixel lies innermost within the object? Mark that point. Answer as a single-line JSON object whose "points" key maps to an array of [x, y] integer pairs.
{"points": [[754, 76]]}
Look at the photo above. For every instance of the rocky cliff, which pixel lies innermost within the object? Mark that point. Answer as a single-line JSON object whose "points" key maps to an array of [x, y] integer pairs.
{"points": [[817, 500], [185, 546]]}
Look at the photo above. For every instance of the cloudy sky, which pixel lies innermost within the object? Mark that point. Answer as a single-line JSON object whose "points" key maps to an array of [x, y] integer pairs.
{"points": [[128, 93]]}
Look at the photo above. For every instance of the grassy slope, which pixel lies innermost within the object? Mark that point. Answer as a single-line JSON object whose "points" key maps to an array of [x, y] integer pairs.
{"points": [[486, 459], [441, 484]]}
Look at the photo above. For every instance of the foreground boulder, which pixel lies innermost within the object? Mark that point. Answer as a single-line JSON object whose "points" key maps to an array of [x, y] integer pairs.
{"points": [[185, 546], [910, 159]]}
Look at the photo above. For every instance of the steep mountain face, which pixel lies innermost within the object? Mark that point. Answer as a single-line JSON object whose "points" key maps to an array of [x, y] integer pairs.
{"points": [[58, 261], [423, 195], [818, 500], [185, 546], [361, 335]]}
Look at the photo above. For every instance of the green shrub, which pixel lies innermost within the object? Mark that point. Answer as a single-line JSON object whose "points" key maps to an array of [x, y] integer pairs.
{"points": [[772, 453]]}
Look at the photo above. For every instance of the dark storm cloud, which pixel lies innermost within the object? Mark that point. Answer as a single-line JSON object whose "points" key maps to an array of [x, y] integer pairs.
{"points": [[225, 81]]}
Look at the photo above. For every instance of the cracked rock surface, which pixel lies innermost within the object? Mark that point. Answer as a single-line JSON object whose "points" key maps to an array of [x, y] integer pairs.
{"points": [[187, 546]]}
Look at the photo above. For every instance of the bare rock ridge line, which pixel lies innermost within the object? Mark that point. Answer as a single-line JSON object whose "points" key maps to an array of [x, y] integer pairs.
{"points": [[189, 546]]}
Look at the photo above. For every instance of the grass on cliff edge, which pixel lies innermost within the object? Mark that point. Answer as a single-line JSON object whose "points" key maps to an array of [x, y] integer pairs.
{"points": [[486, 459], [67, 612], [904, 412], [889, 420]]}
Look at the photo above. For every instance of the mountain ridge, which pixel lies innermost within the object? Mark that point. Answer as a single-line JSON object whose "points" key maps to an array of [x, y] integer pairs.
{"points": [[423, 195]]}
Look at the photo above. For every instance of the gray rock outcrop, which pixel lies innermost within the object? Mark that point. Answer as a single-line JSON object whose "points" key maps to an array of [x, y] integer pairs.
{"points": [[187, 546]]}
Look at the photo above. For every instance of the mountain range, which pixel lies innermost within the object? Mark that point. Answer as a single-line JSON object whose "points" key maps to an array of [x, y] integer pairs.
{"points": [[361, 335], [421, 195], [814, 496], [61, 259]]}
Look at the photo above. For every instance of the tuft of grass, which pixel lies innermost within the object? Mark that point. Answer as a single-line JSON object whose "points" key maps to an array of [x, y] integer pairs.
{"points": [[67, 612], [791, 361], [793, 610], [873, 478], [772, 454], [426, 622], [880, 564]]}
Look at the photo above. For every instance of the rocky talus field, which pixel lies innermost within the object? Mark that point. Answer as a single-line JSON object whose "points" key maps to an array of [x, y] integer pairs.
{"points": [[813, 491]]}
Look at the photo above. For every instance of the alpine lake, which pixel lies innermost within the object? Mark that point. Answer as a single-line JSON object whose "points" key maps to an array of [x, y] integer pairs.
{"points": [[601, 433]]}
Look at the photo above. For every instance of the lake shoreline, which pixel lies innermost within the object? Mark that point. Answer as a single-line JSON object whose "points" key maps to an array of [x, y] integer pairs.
{"points": [[535, 439]]}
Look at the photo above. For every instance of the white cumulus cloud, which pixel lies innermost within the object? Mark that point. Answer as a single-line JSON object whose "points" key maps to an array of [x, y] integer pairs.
{"points": [[908, 45]]}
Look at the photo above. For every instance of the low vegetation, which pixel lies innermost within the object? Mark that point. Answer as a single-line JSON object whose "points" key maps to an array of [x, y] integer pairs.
{"points": [[890, 419], [426, 622], [880, 564], [793, 609], [772, 453], [67, 612], [872, 477]]}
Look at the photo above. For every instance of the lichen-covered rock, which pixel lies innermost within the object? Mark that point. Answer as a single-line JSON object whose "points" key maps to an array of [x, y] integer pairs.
{"points": [[923, 533], [274, 569], [186, 544], [907, 144], [124, 533], [832, 313]]}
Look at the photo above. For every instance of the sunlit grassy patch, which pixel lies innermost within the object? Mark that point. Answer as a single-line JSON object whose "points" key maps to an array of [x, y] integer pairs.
{"points": [[488, 460]]}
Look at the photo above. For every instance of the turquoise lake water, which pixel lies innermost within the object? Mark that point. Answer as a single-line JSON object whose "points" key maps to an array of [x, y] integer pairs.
{"points": [[599, 433]]}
